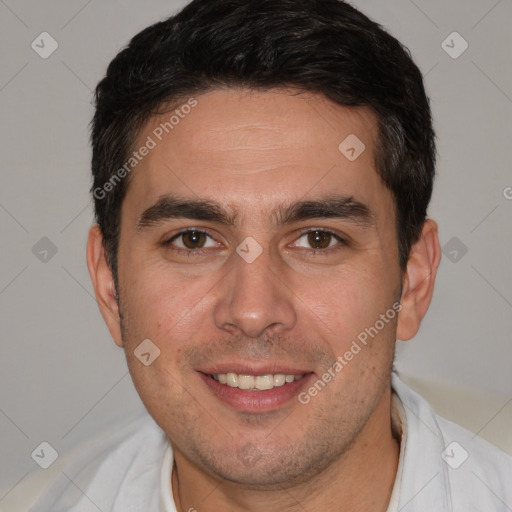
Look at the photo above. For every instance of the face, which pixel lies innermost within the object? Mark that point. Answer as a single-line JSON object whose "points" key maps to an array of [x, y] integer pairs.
{"points": [[251, 246]]}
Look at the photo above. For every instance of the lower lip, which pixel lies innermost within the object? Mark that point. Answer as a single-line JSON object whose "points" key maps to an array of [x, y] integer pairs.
{"points": [[255, 401]]}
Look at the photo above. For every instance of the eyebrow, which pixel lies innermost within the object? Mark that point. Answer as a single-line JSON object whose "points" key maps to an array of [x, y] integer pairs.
{"points": [[334, 207]]}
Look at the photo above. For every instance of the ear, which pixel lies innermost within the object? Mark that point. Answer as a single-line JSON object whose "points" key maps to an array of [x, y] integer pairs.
{"points": [[103, 283], [418, 281]]}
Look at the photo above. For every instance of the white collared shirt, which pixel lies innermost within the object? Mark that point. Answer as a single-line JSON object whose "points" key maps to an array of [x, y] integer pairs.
{"points": [[442, 468]]}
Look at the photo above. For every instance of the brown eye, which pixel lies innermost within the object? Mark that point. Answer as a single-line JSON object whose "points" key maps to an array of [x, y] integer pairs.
{"points": [[319, 239], [192, 242], [194, 239]]}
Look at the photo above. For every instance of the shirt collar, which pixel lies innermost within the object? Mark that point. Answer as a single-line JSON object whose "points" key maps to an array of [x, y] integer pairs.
{"points": [[399, 427]]}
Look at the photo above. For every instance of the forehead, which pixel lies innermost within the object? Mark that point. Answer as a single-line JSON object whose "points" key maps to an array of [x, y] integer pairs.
{"points": [[244, 147]]}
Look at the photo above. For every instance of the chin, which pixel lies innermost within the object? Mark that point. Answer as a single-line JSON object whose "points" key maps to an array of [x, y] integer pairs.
{"points": [[278, 468]]}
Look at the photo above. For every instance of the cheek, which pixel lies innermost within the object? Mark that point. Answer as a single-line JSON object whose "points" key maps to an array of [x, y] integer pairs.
{"points": [[345, 301], [161, 303], [158, 306]]}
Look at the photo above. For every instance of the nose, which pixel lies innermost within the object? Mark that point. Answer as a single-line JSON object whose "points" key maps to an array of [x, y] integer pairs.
{"points": [[253, 299]]}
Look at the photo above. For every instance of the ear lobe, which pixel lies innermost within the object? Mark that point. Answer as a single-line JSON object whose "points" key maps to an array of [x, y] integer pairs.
{"points": [[418, 281], [103, 283]]}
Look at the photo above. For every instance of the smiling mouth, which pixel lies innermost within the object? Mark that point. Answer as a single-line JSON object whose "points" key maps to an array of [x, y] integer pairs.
{"points": [[255, 382]]}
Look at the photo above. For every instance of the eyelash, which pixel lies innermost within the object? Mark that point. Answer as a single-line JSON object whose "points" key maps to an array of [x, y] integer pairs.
{"points": [[197, 252]]}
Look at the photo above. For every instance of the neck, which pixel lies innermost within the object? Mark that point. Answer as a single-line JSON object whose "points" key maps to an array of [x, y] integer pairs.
{"points": [[360, 480]]}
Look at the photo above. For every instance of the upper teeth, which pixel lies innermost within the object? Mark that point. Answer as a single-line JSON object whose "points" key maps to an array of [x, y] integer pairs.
{"points": [[260, 382]]}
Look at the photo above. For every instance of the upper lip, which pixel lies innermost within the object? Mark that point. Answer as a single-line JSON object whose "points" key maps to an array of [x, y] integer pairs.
{"points": [[253, 369]]}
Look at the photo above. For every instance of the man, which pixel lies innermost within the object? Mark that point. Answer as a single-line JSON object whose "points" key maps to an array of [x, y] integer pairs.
{"points": [[262, 172]]}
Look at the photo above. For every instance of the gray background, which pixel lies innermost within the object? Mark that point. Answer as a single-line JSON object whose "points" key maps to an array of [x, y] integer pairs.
{"points": [[62, 377]]}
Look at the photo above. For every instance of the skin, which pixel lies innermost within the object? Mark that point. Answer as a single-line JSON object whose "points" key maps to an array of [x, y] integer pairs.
{"points": [[253, 152]]}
